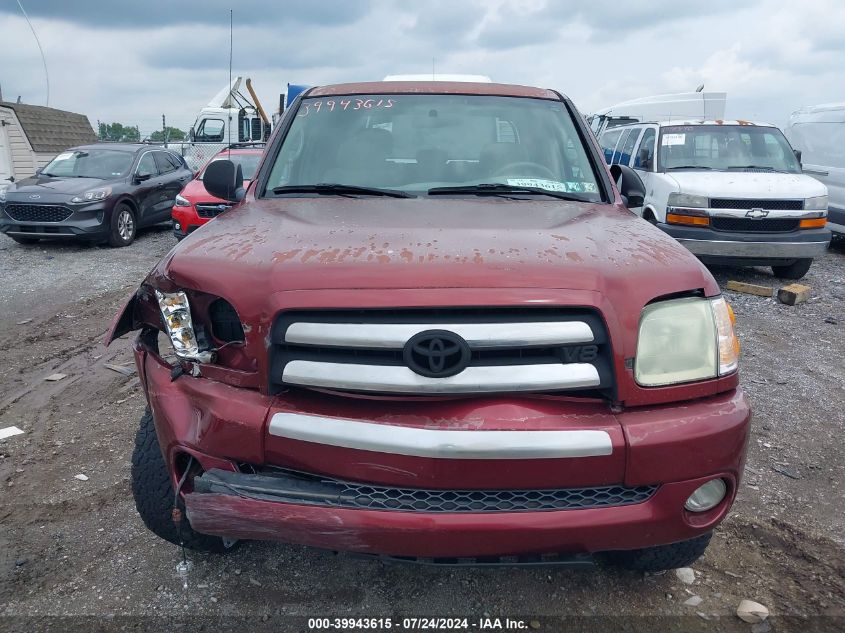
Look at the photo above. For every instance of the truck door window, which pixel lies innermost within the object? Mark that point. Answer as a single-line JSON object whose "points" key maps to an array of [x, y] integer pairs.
{"points": [[210, 131], [646, 150]]}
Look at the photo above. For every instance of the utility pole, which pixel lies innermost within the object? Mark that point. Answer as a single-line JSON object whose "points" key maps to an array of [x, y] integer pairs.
{"points": [[164, 129]]}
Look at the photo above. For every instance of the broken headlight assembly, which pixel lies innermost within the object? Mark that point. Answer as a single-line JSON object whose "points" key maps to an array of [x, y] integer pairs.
{"points": [[683, 340], [176, 312]]}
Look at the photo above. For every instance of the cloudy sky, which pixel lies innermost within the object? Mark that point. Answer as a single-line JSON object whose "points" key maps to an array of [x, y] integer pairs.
{"points": [[130, 62]]}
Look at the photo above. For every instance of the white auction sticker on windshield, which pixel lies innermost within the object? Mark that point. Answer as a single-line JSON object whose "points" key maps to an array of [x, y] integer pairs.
{"points": [[554, 185], [674, 139], [64, 156]]}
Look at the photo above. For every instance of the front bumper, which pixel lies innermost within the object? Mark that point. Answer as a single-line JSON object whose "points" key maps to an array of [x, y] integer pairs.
{"points": [[88, 222], [187, 219], [750, 248], [667, 450]]}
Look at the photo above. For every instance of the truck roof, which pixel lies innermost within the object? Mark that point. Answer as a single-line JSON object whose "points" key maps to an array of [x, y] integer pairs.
{"points": [[432, 87]]}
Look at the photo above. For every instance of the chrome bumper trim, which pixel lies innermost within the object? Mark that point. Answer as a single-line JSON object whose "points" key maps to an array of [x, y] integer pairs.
{"points": [[483, 379], [770, 250], [437, 443], [477, 335]]}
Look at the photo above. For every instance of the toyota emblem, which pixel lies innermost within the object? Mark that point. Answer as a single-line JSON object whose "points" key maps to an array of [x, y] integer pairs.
{"points": [[436, 354]]}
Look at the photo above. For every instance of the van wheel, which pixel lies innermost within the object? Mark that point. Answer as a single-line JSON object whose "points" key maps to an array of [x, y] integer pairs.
{"points": [[123, 226], [154, 493], [28, 241], [795, 270], [662, 557], [648, 216]]}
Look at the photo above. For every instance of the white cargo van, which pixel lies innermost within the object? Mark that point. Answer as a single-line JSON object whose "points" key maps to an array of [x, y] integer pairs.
{"points": [[818, 132], [730, 191]]}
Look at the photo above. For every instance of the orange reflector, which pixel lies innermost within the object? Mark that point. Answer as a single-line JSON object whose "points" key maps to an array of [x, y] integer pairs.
{"points": [[695, 220], [813, 223]]}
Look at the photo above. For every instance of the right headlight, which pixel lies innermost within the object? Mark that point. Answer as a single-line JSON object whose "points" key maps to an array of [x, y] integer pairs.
{"points": [[182, 201], [688, 200], [683, 340], [176, 312]]}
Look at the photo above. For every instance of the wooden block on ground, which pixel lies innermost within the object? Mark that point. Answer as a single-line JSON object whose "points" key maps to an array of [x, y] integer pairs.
{"points": [[750, 289], [793, 293]]}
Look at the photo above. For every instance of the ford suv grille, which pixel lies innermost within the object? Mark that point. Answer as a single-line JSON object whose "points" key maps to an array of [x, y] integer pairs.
{"points": [[443, 351], [37, 212]]}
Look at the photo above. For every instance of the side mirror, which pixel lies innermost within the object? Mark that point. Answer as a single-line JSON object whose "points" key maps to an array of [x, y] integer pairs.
{"points": [[630, 185], [644, 158], [38, 171], [223, 179], [797, 153], [191, 134], [142, 177]]}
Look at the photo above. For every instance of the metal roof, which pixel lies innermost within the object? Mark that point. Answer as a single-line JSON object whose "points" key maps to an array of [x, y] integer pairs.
{"points": [[52, 130]]}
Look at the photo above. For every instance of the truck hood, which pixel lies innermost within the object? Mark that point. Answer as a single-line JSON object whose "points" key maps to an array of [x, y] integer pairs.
{"points": [[277, 245], [741, 184]]}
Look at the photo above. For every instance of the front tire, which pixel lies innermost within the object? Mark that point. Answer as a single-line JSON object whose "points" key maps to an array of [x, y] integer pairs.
{"points": [[154, 493], [123, 226], [796, 270], [661, 557]]}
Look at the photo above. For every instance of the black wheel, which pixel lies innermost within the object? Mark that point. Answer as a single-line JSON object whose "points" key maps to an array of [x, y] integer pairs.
{"points": [[648, 216], [123, 226], [662, 557], [24, 240], [795, 270], [154, 494]]}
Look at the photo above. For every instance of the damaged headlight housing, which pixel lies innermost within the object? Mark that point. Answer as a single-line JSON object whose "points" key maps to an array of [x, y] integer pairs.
{"points": [[683, 340], [95, 195], [176, 312]]}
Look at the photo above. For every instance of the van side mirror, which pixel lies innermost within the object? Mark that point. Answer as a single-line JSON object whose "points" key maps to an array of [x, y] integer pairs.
{"points": [[630, 185], [223, 179], [797, 153], [192, 135]]}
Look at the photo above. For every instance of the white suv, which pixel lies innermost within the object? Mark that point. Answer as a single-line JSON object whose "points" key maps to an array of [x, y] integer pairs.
{"points": [[732, 192]]}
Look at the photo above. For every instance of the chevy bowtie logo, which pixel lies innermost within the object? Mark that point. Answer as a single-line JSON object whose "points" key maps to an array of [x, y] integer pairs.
{"points": [[757, 213]]}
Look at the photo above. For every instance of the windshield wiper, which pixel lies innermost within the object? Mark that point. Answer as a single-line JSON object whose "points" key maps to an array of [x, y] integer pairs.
{"points": [[331, 188], [500, 189], [764, 167], [689, 167]]}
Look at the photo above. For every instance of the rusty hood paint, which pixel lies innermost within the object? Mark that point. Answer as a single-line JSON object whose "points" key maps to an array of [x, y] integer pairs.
{"points": [[284, 244]]}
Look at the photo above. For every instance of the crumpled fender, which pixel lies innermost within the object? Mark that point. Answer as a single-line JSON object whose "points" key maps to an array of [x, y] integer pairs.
{"points": [[123, 322]]}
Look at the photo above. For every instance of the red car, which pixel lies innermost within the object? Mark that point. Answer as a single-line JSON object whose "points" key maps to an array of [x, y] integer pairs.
{"points": [[194, 206], [432, 330]]}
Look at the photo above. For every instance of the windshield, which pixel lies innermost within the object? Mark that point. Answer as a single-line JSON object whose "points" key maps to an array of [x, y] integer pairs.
{"points": [[93, 163], [248, 163], [415, 142], [725, 148]]}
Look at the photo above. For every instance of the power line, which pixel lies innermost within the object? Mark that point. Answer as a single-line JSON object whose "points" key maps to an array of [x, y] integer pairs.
{"points": [[41, 50]]}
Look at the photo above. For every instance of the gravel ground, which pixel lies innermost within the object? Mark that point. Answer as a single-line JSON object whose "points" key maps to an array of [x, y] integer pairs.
{"points": [[75, 556]]}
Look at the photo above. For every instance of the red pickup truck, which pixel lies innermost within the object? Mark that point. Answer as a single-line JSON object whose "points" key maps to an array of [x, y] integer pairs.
{"points": [[430, 329]]}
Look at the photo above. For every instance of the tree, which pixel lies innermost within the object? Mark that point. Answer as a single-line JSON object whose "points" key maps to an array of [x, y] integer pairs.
{"points": [[170, 134], [118, 132]]}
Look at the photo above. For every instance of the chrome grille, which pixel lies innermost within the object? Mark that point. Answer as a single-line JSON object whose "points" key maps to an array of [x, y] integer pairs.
{"points": [[510, 350], [37, 212]]}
